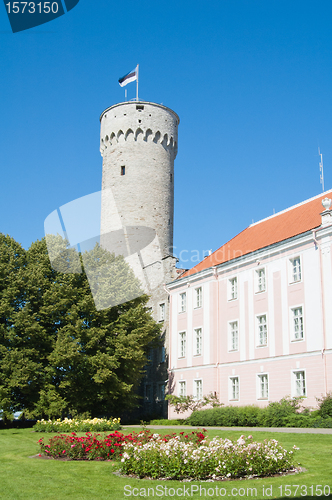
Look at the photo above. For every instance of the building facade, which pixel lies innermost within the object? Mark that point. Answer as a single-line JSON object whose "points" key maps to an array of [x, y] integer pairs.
{"points": [[252, 322]]}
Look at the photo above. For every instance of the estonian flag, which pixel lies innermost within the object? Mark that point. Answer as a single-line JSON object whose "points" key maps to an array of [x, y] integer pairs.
{"points": [[129, 77]]}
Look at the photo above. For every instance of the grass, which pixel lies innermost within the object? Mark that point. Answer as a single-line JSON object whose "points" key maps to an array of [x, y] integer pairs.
{"points": [[24, 478]]}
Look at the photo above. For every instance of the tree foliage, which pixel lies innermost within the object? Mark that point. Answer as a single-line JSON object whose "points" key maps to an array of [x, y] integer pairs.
{"points": [[58, 353], [182, 404]]}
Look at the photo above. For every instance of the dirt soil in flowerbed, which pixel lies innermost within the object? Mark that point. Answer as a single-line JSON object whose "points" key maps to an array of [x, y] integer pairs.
{"points": [[187, 480]]}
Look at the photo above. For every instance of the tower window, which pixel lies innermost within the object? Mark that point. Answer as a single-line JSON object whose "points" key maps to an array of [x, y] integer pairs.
{"points": [[139, 108], [123, 170], [170, 177]]}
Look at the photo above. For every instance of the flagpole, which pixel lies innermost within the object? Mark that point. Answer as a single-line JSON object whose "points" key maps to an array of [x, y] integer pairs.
{"points": [[137, 84]]}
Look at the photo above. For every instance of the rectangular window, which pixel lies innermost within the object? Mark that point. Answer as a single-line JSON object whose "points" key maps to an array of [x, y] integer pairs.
{"points": [[296, 272], [162, 354], [123, 170], [148, 392], [198, 297], [233, 336], [297, 323], [260, 280], [162, 308], [232, 284], [198, 389], [183, 302], [263, 386], [299, 383], [262, 330], [234, 388], [182, 388], [182, 340], [161, 392], [198, 341]]}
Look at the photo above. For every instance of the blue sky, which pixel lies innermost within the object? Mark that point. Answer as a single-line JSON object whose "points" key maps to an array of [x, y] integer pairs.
{"points": [[250, 80]]}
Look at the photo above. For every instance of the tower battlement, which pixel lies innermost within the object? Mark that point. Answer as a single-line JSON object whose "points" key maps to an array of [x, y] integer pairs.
{"points": [[136, 121]]}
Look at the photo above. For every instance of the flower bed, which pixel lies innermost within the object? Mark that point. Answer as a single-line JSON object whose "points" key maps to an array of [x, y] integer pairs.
{"points": [[77, 425], [97, 447], [218, 459], [183, 456]]}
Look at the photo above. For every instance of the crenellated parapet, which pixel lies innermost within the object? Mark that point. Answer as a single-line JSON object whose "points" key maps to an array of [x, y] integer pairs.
{"points": [[130, 135], [138, 122]]}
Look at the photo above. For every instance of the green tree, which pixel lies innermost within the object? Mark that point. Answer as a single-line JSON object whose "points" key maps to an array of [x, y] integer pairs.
{"points": [[58, 353]]}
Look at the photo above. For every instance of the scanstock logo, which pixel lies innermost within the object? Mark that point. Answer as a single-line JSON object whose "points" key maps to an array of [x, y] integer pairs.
{"points": [[25, 15]]}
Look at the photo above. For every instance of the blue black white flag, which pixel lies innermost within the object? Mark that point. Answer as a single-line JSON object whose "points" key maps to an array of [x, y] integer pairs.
{"points": [[129, 77]]}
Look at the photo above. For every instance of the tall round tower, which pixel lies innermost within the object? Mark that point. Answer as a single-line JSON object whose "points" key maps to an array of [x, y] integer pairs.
{"points": [[139, 144]]}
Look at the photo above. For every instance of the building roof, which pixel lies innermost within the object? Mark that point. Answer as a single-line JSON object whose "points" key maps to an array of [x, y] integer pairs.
{"points": [[279, 227]]}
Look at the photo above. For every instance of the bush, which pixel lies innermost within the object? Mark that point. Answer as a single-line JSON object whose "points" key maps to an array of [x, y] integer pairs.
{"points": [[325, 405], [78, 425], [284, 413], [277, 413], [227, 416], [319, 422], [218, 459], [165, 421]]}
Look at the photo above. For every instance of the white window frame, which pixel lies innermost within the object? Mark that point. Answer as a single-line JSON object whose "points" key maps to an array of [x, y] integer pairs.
{"points": [[198, 297], [198, 341], [162, 311], [182, 344], [233, 396], [231, 347], [262, 393], [233, 288], [260, 280], [295, 392], [260, 328], [295, 269], [182, 388], [293, 323], [198, 384], [182, 302]]}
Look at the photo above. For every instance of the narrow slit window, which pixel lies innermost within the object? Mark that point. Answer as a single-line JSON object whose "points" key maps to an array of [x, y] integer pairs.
{"points": [[123, 170]]}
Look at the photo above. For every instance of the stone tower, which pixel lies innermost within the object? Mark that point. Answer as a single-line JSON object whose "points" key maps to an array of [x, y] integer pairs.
{"points": [[138, 143]]}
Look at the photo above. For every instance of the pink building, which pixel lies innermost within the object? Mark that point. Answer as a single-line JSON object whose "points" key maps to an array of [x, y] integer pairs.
{"points": [[253, 321]]}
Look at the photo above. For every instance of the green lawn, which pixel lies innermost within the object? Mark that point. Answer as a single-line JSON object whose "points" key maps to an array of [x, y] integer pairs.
{"points": [[24, 478]]}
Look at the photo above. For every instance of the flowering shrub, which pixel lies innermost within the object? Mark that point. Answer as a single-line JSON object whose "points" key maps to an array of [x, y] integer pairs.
{"points": [[77, 425], [94, 447], [218, 459]]}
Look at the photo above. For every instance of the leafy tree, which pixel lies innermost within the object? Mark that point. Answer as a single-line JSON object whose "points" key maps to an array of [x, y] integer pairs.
{"points": [[12, 265], [58, 353]]}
